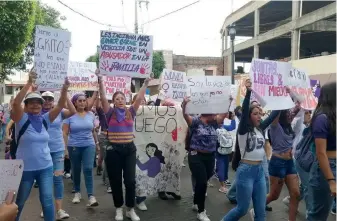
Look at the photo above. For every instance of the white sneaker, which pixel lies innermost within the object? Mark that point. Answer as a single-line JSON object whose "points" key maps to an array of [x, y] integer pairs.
{"points": [[202, 216], [42, 216], [195, 207], [109, 190], [119, 214], [67, 175], [252, 214], [286, 200], [131, 214], [77, 198], [61, 214], [92, 202], [141, 206]]}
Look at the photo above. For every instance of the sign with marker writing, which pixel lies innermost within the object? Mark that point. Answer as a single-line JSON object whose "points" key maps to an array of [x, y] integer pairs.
{"points": [[269, 81], [173, 84], [82, 76], [114, 83], [51, 57], [299, 83], [208, 94], [10, 177], [125, 54]]}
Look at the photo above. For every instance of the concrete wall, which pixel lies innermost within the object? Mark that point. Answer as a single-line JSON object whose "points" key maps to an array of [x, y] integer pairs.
{"points": [[317, 65]]}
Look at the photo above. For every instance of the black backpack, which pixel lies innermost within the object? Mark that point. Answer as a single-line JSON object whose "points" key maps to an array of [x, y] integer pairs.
{"points": [[15, 143]]}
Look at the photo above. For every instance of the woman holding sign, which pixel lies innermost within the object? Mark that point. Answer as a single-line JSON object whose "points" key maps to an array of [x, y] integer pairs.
{"points": [[57, 148], [32, 145], [248, 162], [121, 151], [201, 156]]}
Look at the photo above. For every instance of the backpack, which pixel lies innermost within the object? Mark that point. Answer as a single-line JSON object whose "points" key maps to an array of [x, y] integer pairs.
{"points": [[225, 141], [304, 154], [15, 143]]}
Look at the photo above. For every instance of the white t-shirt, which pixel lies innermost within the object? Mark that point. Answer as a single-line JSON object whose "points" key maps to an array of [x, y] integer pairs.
{"points": [[255, 150]]}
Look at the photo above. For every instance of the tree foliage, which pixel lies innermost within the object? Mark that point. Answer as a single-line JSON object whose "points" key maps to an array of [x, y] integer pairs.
{"points": [[17, 20], [93, 58], [17, 32]]}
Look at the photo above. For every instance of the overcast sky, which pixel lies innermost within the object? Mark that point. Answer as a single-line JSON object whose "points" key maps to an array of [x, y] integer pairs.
{"points": [[193, 31]]}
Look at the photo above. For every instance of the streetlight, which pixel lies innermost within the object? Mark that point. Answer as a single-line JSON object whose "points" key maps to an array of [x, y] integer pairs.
{"points": [[232, 33]]}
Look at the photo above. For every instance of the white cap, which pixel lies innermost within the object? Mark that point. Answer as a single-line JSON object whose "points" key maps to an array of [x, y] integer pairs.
{"points": [[33, 95], [48, 94]]}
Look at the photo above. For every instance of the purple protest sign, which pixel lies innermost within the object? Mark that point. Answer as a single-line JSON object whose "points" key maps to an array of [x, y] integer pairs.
{"points": [[316, 87]]}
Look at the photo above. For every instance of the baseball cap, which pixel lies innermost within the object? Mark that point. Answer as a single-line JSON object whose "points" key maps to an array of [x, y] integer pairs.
{"points": [[48, 94], [33, 95]]}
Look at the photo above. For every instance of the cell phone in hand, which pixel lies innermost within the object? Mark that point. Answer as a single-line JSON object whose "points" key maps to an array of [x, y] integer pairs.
{"points": [[11, 196]]}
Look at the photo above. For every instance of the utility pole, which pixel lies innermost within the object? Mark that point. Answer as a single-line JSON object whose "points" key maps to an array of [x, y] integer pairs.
{"points": [[136, 12]]}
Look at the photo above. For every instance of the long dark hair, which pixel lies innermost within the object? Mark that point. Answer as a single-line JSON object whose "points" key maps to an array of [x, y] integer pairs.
{"points": [[157, 153], [237, 154], [327, 105], [286, 126]]}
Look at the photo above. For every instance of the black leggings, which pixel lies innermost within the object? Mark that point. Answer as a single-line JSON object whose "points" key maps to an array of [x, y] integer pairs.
{"points": [[202, 168], [67, 165], [120, 162]]}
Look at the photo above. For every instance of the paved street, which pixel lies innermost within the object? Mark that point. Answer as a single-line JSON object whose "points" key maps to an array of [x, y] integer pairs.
{"points": [[216, 205]]}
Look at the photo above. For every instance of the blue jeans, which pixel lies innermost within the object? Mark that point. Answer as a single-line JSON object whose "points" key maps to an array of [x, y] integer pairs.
{"points": [[222, 163], [319, 193], [231, 194], [82, 157], [251, 184], [44, 178], [58, 167], [304, 178]]}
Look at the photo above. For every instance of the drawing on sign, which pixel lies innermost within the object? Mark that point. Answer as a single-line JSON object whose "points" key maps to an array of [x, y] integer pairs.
{"points": [[174, 84], [51, 55], [125, 54], [10, 177], [82, 76]]}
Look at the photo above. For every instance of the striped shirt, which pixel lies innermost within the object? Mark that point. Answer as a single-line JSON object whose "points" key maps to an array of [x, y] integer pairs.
{"points": [[120, 132]]}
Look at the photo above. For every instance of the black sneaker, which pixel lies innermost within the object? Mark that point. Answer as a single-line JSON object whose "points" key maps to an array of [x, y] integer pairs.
{"points": [[175, 196], [227, 183], [162, 195], [269, 208], [99, 170]]}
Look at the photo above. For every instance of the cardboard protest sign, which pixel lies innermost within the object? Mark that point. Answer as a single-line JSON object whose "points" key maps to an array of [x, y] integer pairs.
{"points": [[82, 76], [269, 81], [234, 94], [173, 84], [241, 82], [316, 88], [208, 94], [299, 83], [10, 177], [160, 140], [51, 56], [125, 54], [114, 83]]}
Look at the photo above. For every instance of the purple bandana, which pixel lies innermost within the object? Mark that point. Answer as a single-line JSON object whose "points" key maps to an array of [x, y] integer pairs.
{"points": [[36, 121], [120, 114], [43, 111]]}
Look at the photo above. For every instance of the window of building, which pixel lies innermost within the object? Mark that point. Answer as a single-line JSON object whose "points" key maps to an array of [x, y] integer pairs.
{"points": [[208, 72], [9, 90]]}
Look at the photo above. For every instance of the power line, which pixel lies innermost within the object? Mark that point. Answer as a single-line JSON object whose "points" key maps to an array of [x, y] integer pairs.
{"points": [[90, 19], [171, 12]]}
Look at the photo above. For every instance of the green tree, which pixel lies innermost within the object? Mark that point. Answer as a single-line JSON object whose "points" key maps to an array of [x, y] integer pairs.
{"points": [[18, 20], [158, 63]]}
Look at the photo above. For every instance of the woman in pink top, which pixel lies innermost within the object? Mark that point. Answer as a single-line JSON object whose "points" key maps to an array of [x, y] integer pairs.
{"points": [[121, 151]]}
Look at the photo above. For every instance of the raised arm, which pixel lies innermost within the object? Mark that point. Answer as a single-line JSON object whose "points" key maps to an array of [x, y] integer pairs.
{"points": [[187, 117], [243, 129], [91, 101], [141, 94], [104, 100], [271, 119], [17, 110], [70, 111], [61, 102]]}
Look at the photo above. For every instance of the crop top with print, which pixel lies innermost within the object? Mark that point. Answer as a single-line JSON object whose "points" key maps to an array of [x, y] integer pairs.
{"points": [[251, 143]]}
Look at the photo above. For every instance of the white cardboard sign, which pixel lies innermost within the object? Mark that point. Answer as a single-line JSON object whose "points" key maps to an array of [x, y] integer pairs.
{"points": [[173, 84]]}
